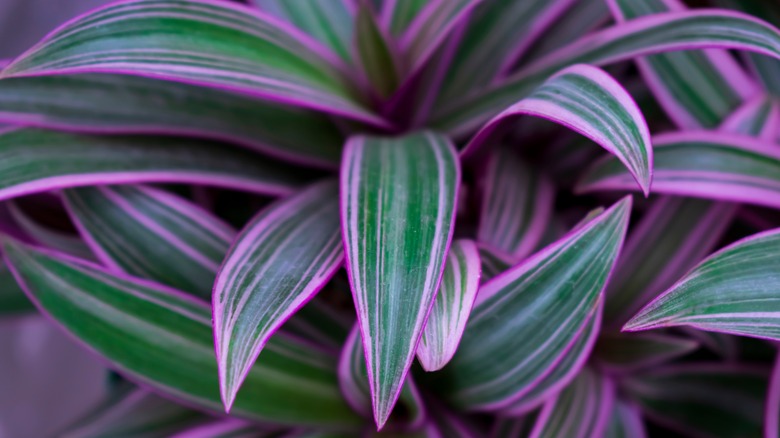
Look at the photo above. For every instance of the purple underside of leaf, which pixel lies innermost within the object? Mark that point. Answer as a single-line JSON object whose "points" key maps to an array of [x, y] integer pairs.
{"points": [[586, 100], [281, 260]]}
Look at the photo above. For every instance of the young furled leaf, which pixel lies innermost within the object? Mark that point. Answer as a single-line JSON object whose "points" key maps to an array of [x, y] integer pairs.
{"points": [[527, 319], [33, 161], [452, 306], [278, 262], [732, 291], [152, 334], [589, 101], [201, 42], [397, 210]]}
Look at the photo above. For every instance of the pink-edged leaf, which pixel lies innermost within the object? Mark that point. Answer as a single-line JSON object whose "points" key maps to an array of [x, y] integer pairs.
{"points": [[49, 237], [320, 321], [397, 15], [332, 22], [129, 411], [725, 346], [671, 31], [736, 291], [625, 421], [710, 165], [150, 233], [493, 263], [278, 262], [504, 427], [451, 424], [229, 428], [398, 199], [589, 101], [432, 26], [377, 55], [526, 320], [578, 20], [498, 33], [210, 43], [619, 353], [87, 103], [697, 89], [516, 207], [772, 409], [452, 306], [353, 380], [162, 338], [582, 410], [714, 400], [757, 117], [563, 372], [34, 161], [683, 231]]}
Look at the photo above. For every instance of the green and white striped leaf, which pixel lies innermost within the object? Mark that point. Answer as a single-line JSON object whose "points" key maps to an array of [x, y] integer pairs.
{"points": [[353, 380], [397, 15], [88, 103], [714, 400], [672, 31], [49, 237], [620, 353], [278, 262], [625, 421], [733, 291], [516, 206], [588, 101], [152, 334], [33, 161], [492, 262], [579, 19], [13, 301], [376, 53], [452, 306], [697, 89], [527, 319], [320, 322], [582, 410], [398, 199], [151, 233], [332, 22], [203, 42], [133, 413]]}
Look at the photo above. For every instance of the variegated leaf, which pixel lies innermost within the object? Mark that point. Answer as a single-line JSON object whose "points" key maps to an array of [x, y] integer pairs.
{"points": [[621, 353], [278, 262], [625, 421], [398, 198], [452, 306], [49, 237], [590, 102], [376, 52]]}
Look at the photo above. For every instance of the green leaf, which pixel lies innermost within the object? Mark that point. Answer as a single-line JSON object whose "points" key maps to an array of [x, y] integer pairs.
{"points": [[625, 421], [398, 198], [33, 161], [736, 291], [278, 262], [49, 237], [622, 353], [376, 54], [209, 43], [703, 399], [152, 334], [88, 103], [452, 306], [526, 319], [399, 14], [12, 298], [150, 233]]}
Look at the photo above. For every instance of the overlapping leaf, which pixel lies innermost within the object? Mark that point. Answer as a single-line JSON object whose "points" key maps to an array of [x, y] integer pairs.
{"points": [[397, 211], [452, 306], [620, 353], [665, 32], [49, 237], [625, 421], [13, 301], [698, 89], [88, 103], [227, 429], [582, 410], [587, 100], [710, 165], [397, 15], [152, 334], [33, 161], [150, 233], [526, 319], [278, 262], [329, 21], [202, 42], [702, 399], [517, 203], [377, 54], [733, 291]]}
